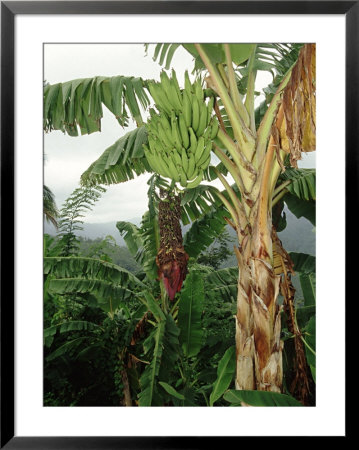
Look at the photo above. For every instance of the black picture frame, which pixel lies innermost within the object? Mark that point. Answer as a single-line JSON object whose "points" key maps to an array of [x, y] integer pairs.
{"points": [[9, 9]]}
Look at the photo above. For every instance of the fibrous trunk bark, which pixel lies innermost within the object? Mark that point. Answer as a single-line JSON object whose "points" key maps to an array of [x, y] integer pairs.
{"points": [[258, 322]]}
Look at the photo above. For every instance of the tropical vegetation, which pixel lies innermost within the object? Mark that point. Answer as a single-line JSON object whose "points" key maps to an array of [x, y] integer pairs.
{"points": [[180, 331]]}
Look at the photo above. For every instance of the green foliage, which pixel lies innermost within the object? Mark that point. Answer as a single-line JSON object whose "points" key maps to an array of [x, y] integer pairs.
{"points": [[305, 266], [162, 347], [170, 390], [103, 322], [149, 395], [204, 231], [225, 373], [120, 162], [189, 314], [218, 252], [78, 104], [300, 194], [80, 202], [309, 341], [51, 212], [107, 284], [239, 53], [106, 249], [302, 182], [260, 398], [197, 201], [283, 56]]}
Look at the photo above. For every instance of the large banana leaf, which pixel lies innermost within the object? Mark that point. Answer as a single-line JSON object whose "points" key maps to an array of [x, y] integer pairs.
{"points": [[240, 53], [148, 379], [260, 398], [171, 347], [108, 296], [69, 347], [109, 284], [225, 372], [90, 268], [163, 348], [131, 235], [301, 208], [120, 162], [305, 265], [301, 194], [73, 325], [189, 314], [142, 242], [222, 284], [309, 340], [204, 231], [79, 103], [302, 182]]}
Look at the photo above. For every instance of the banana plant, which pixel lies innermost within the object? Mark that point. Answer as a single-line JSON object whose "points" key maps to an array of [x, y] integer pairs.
{"points": [[251, 146], [255, 161]]}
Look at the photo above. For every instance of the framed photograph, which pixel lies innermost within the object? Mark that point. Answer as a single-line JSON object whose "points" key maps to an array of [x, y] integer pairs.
{"points": [[166, 244]]}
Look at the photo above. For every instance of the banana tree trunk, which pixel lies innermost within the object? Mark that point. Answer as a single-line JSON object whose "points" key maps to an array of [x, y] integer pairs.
{"points": [[258, 321]]}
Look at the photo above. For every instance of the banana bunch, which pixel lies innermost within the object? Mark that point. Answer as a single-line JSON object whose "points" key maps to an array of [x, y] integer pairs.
{"points": [[180, 135]]}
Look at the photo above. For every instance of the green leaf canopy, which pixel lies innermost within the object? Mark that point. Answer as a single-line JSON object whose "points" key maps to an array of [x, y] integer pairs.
{"points": [[189, 314], [78, 104], [120, 162]]}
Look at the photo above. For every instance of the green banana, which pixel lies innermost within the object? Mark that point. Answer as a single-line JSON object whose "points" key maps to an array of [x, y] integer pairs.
{"points": [[153, 92], [199, 150], [176, 158], [198, 91], [207, 133], [169, 88], [152, 160], [206, 153], [202, 120], [172, 169], [165, 82], [167, 128], [205, 164], [164, 121], [196, 181], [166, 138], [174, 98], [152, 143], [195, 113], [164, 167], [165, 104], [176, 133], [183, 130], [183, 178], [191, 167], [184, 159], [187, 109], [193, 141]]}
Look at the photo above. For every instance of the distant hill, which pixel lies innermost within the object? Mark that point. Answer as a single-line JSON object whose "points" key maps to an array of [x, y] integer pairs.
{"points": [[298, 236], [96, 230]]}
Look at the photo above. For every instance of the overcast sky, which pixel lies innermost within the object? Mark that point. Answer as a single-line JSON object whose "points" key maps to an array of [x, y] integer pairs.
{"points": [[66, 158]]}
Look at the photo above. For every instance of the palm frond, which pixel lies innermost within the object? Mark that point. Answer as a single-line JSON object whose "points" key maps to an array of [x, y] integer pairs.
{"points": [[51, 212]]}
